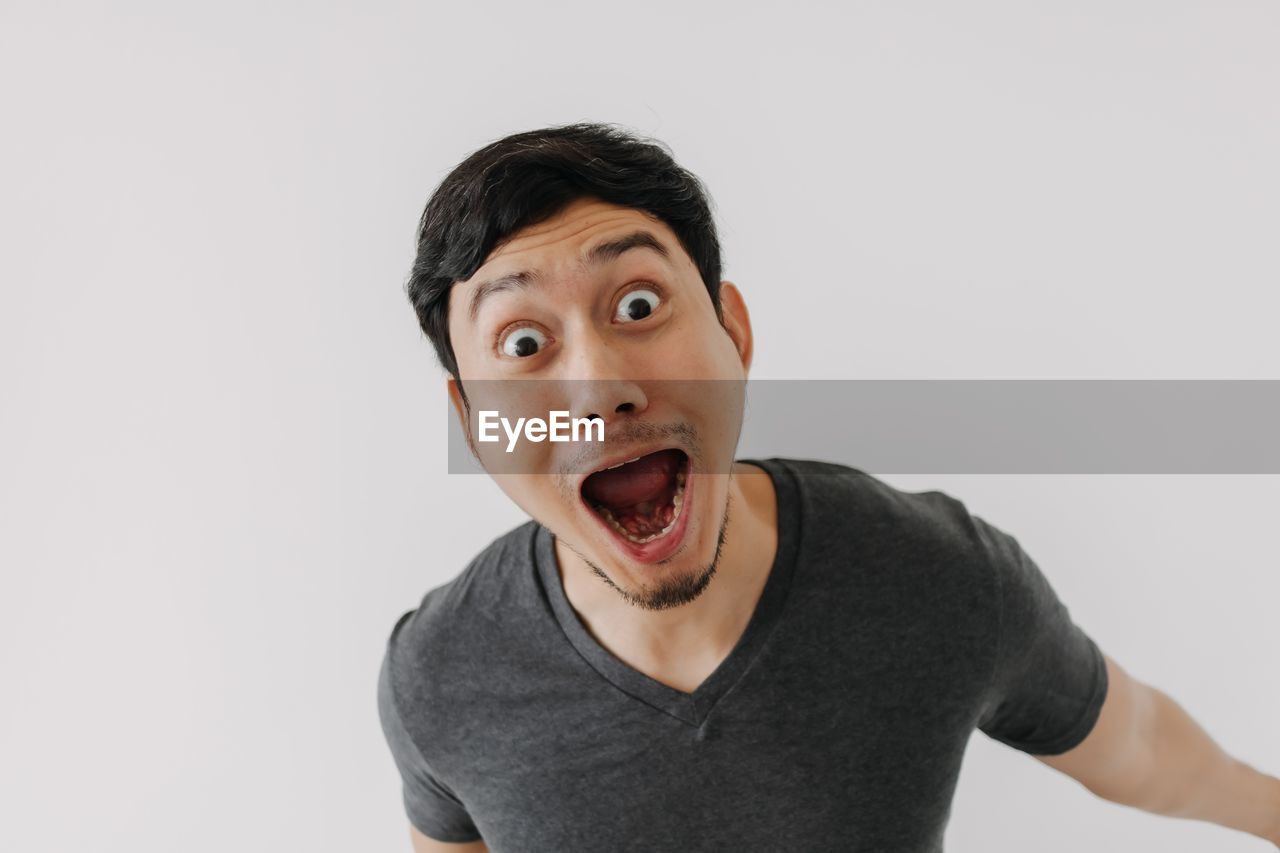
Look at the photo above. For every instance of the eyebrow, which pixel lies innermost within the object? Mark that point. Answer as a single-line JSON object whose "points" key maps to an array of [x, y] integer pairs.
{"points": [[601, 253]]}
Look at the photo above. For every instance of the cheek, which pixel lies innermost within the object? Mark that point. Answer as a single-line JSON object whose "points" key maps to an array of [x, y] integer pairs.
{"points": [[715, 408], [501, 454], [724, 426], [696, 349], [511, 404]]}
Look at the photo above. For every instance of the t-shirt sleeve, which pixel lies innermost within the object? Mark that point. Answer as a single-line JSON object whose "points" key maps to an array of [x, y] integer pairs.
{"points": [[431, 807], [1049, 679]]}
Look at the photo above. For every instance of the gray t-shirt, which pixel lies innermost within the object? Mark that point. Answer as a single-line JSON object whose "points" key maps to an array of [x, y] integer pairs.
{"points": [[893, 624]]}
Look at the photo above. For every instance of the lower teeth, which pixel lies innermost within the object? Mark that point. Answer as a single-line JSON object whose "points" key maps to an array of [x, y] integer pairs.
{"points": [[675, 516]]}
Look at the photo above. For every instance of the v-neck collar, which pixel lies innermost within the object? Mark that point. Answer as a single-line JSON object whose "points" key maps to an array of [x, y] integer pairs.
{"points": [[692, 708]]}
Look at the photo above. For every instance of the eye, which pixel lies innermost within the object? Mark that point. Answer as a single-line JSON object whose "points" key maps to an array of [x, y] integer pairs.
{"points": [[637, 305], [522, 342]]}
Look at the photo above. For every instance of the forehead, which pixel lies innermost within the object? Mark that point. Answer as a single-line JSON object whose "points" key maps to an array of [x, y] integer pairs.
{"points": [[561, 239]]}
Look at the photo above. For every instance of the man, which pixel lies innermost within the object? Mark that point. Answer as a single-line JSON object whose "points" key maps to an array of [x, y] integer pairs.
{"points": [[684, 651]]}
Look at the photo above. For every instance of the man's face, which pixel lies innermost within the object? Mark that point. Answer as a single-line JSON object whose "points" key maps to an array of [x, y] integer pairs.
{"points": [[628, 335]]}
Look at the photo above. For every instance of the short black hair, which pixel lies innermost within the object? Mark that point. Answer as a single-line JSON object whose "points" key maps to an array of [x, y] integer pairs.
{"points": [[526, 178]]}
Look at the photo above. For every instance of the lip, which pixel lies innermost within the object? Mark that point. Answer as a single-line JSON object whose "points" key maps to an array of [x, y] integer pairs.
{"points": [[662, 547], [631, 454]]}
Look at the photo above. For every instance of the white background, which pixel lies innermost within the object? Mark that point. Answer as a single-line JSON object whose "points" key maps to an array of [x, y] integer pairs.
{"points": [[222, 463]]}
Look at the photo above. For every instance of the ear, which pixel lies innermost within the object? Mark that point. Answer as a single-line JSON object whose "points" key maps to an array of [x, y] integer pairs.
{"points": [[737, 322], [463, 411]]}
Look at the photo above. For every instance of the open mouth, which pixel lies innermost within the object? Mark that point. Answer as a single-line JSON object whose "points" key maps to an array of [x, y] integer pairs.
{"points": [[641, 501]]}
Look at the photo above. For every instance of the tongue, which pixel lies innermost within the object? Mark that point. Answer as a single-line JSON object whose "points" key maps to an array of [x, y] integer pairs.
{"points": [[642, 480]]}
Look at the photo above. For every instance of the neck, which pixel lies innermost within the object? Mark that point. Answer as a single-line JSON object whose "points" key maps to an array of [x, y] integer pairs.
{"points": [[681, 645]]}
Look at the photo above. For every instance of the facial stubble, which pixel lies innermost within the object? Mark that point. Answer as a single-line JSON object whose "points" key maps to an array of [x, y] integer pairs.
{"points": [[675, 591]]}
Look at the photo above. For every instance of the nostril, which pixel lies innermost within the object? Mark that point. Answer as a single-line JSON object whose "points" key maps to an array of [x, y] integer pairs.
{"points": [[594, 417], [625, 407]]}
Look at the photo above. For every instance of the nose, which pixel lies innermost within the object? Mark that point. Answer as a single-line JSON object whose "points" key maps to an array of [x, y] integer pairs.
{"points": [[599, 382]]}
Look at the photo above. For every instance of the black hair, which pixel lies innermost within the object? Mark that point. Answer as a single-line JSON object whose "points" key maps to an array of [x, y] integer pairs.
{"points": [[526, 178]]}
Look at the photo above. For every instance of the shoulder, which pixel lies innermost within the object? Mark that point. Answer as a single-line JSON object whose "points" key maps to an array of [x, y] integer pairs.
{"points": [[908, 568], [842, 497], [431, 647], [865, 539]]}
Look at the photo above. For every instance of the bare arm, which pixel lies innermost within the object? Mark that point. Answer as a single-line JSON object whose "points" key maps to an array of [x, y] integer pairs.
{"points": [[423, 844], [1145, 751]]}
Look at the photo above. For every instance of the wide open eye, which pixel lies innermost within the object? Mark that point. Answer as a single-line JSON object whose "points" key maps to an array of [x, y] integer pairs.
{"points": [[636, 305], [522, 341]]}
